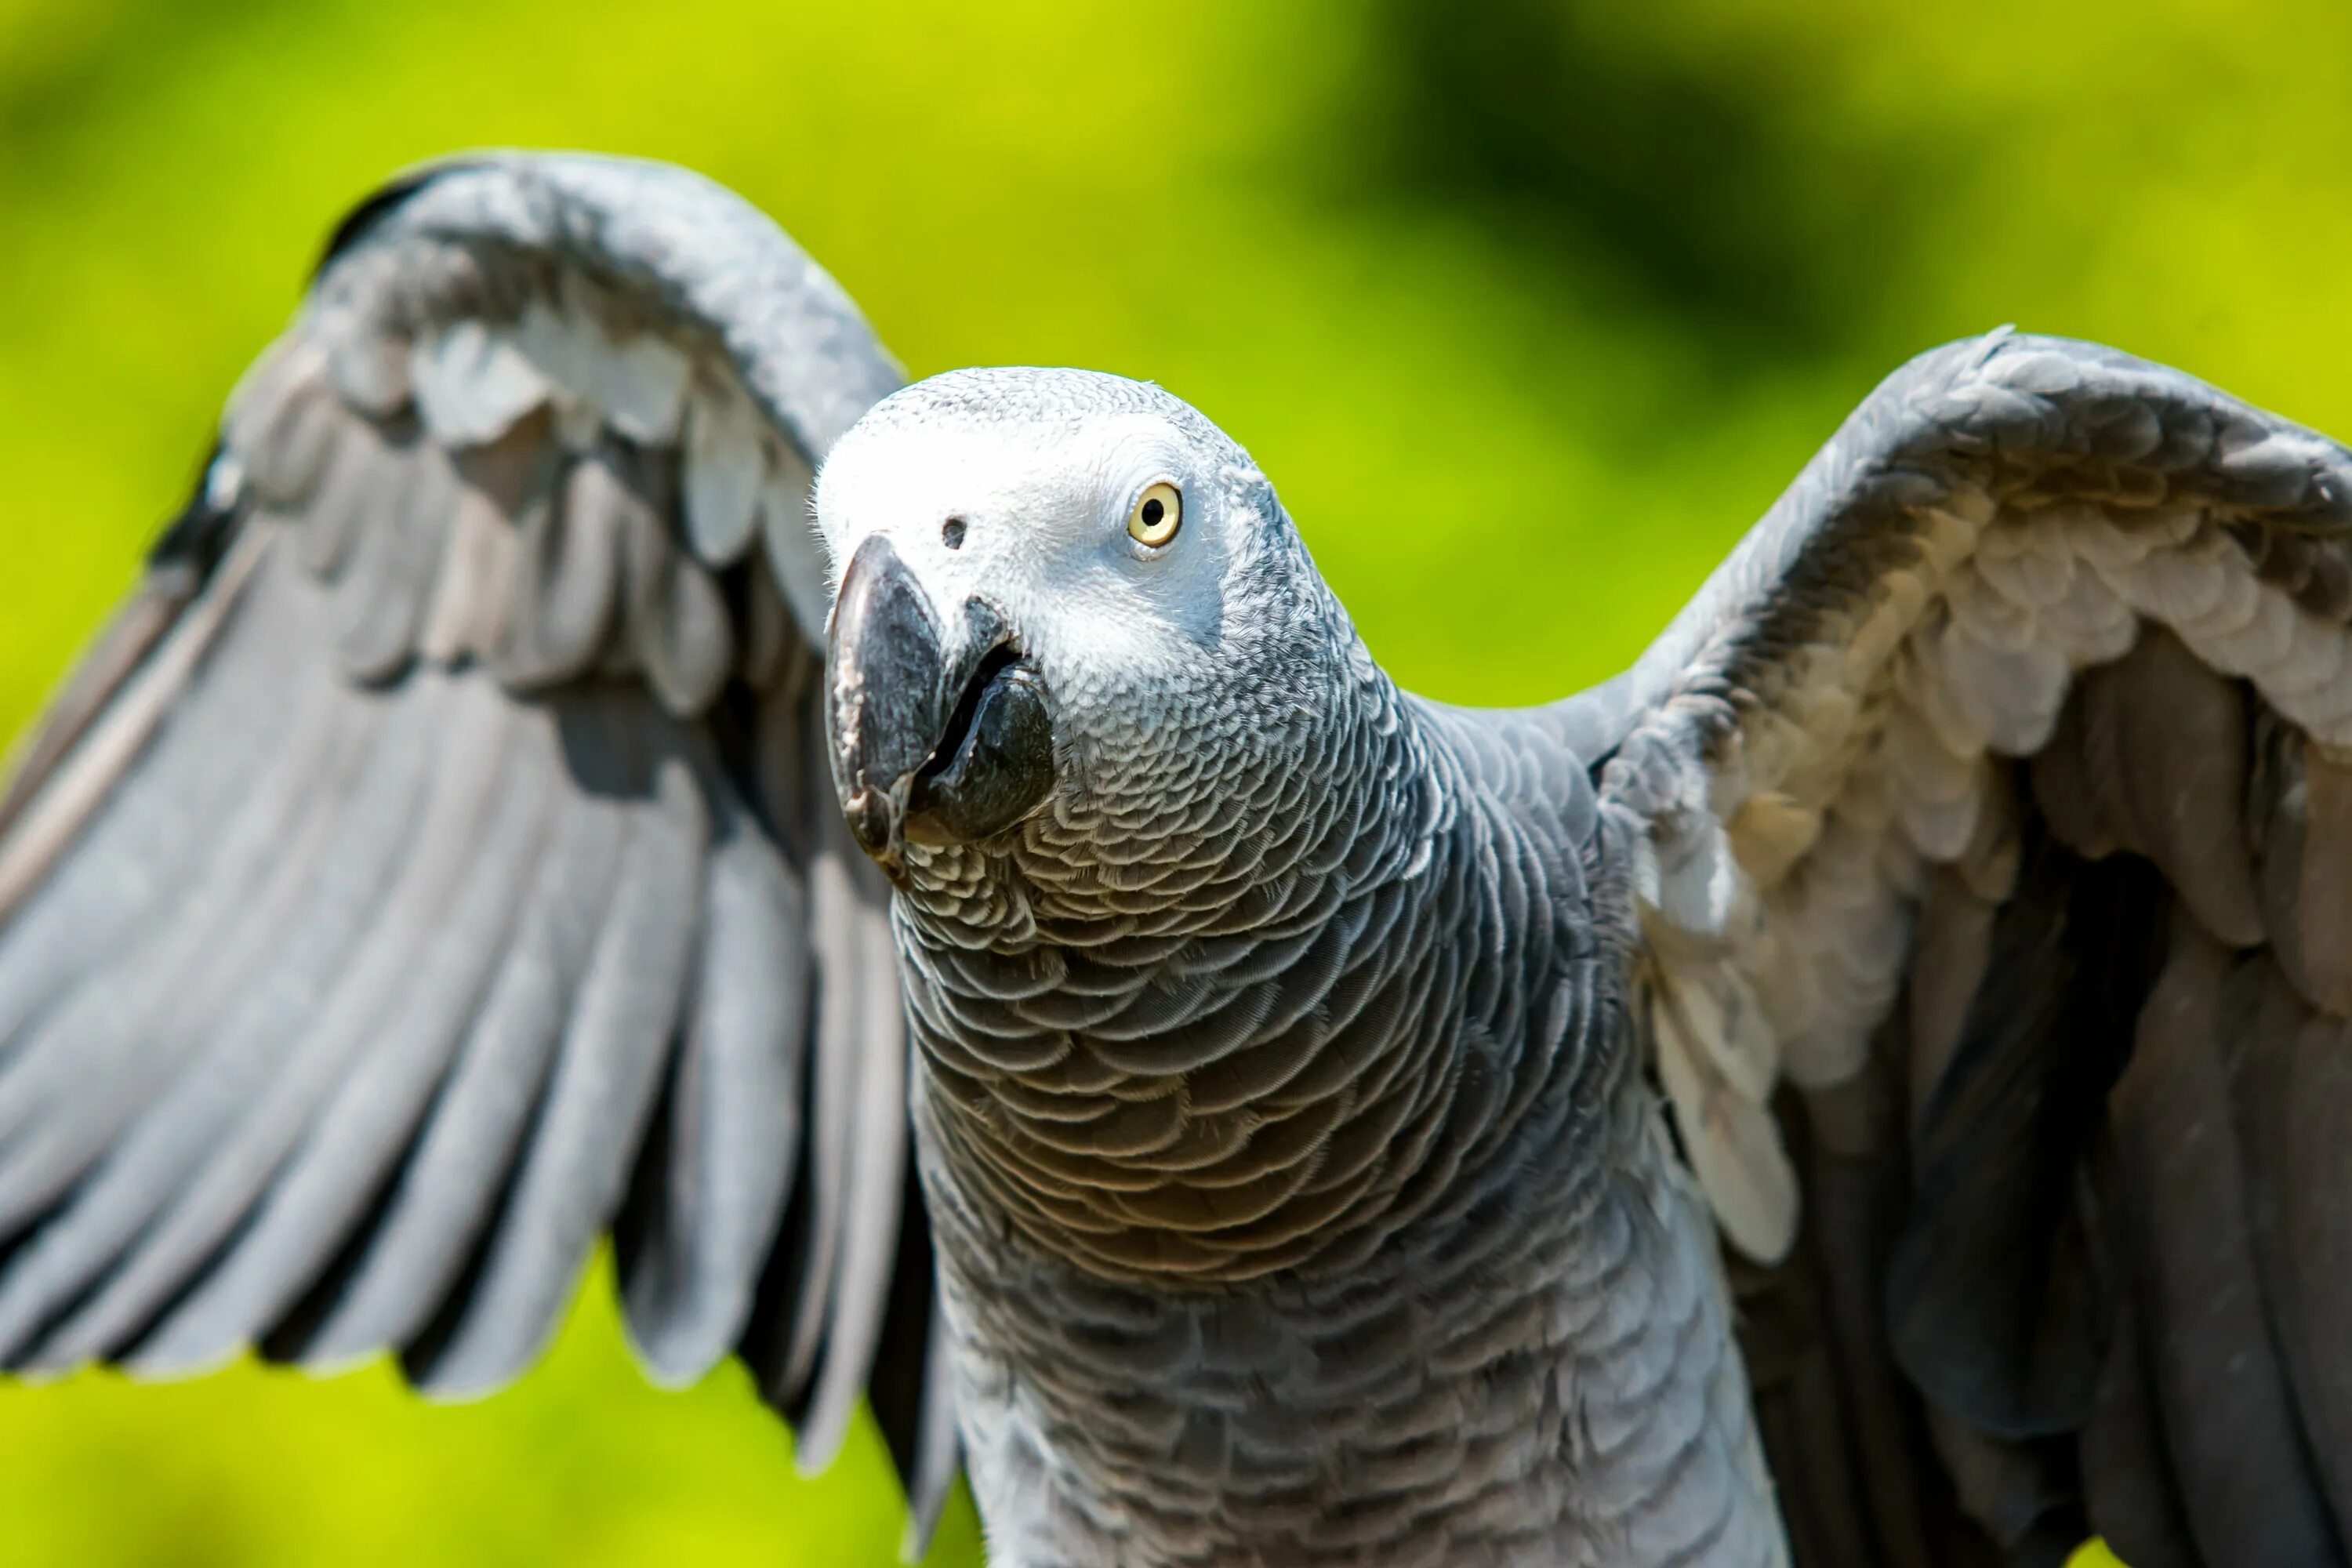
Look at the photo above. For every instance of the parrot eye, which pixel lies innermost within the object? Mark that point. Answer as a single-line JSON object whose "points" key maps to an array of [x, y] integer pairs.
{"points": [[1158, 513]]}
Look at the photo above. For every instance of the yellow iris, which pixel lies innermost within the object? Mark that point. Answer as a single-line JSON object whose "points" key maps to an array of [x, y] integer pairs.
{"points": [[1158, 513]]}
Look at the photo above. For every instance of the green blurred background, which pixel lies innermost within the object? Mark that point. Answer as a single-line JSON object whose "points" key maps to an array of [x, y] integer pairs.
{"points": [[1530, 307]]}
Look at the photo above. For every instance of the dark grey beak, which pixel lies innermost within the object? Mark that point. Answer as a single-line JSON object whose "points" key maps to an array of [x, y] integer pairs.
{"points": [[936, 737]]}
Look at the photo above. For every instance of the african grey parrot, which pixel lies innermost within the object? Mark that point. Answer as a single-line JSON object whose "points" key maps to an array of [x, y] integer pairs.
{"points": [[1865, 1086]]}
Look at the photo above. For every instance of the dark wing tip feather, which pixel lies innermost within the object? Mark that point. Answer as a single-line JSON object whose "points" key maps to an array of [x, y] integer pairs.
{"points": [[1998, 1297]]}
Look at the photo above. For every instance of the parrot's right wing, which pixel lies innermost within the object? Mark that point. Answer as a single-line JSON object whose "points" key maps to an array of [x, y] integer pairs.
{"points": [[435, 864]]}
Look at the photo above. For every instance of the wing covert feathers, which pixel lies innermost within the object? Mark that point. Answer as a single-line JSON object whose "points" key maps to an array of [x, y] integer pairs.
{"points": [[397, 900]]}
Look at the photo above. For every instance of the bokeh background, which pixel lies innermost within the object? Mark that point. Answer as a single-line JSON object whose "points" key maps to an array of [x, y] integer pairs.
{"points": [[1529, 307]]}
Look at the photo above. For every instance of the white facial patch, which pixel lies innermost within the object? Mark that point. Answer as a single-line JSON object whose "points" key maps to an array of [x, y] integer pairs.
{"points": [[1030, 515]]}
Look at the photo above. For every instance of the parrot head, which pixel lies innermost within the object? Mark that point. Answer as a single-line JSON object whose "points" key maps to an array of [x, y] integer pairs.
{"points": [[1071, 618]]}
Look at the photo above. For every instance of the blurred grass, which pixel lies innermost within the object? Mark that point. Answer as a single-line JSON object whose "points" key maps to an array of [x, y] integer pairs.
{"points": [[1528, 312]]}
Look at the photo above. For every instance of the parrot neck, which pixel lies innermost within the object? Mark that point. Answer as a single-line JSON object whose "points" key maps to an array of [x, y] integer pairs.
{"points": [[1271, 1055]]}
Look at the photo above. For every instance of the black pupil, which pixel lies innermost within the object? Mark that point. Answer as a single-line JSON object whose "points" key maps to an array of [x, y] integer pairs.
{"points": [[951, 532], [1152, 512]]}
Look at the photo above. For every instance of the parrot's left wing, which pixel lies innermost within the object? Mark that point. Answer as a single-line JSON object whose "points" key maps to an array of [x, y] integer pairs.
{"points": [[1991, 813]]}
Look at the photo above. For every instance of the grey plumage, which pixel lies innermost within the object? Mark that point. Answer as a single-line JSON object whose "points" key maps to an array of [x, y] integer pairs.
{"points": [[626, 1013], [1273, 1118], [715, 1181], [2150, 758], [386, 875]]}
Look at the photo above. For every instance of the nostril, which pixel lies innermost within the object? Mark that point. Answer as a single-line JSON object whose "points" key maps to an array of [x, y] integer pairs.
{"points": [[951, 534]]}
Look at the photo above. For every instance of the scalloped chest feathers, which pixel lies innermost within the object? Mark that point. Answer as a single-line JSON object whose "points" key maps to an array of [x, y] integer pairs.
{"points": [[1346, 1234]]}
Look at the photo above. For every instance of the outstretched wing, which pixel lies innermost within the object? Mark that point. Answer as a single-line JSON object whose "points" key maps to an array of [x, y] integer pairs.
{"points": [[434, 865], [1992, 814]]}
